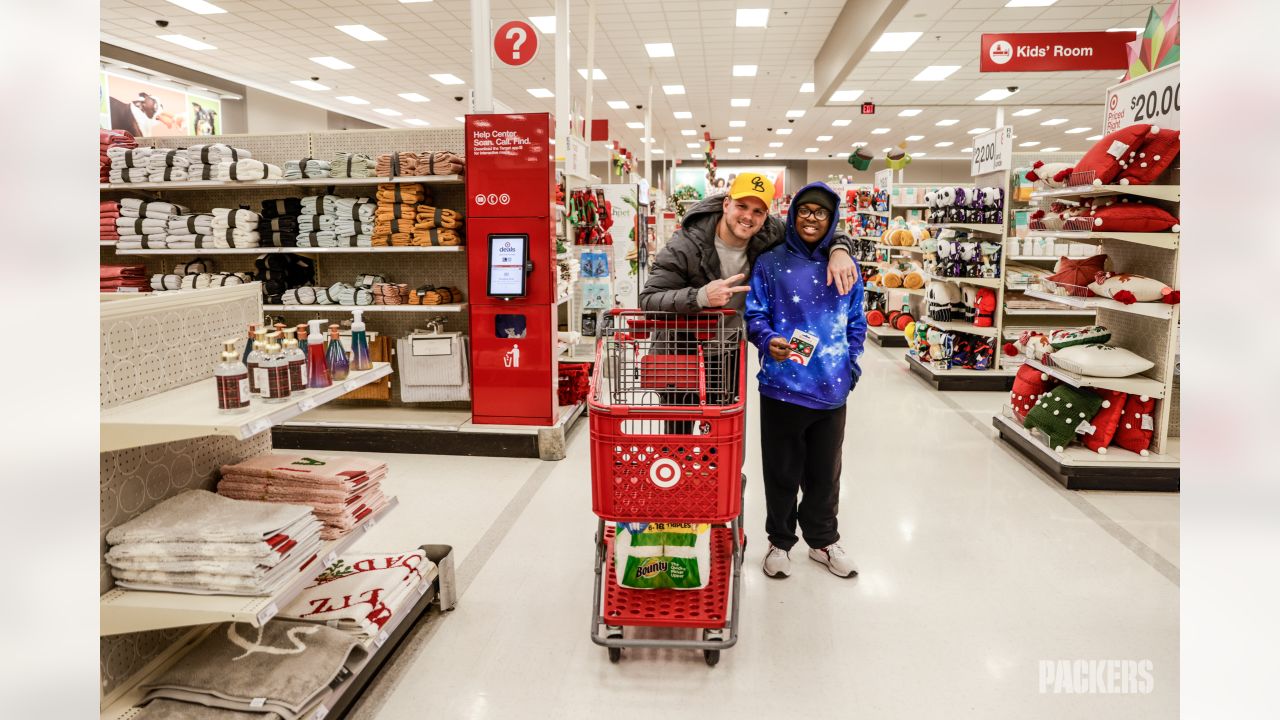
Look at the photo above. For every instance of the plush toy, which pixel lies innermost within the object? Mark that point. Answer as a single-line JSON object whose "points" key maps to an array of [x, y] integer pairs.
{"points": [[929, 254], [941, 344], [1106, 421], [1063, 412], [1047, 176], [1137, 425], [1142, 166], [1128, 215], [939, 298], [1032, 344], [946, 199], [903, 321], [970, 295], [983, 355], [898, 235], [970, 257], [912, 275], [1028, 385], [960, 204], [962, 352], [990, 260], [1128, 289], [985, 308], [1102, 161], [891, 275], [875, 318]]}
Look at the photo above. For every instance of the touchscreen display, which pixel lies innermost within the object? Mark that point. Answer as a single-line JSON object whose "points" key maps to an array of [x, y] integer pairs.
{"points": [[507, 256]]}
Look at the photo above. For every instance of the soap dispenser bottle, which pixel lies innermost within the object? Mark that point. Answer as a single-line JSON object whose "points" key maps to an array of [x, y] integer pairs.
{"points": [[297, 360], [359, 343], [257, 380], [318, 370], [232, 378], [336, 356], [276, 369]]}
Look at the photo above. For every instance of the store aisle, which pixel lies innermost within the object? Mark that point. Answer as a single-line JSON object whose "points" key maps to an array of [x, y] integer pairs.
{"points": [[974, 569]]}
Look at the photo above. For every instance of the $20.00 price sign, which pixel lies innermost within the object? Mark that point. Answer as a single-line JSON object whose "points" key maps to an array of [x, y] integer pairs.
{"points": [[1154, 98]]}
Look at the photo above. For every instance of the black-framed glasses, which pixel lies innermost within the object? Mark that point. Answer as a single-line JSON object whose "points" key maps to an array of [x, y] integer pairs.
{"points": [[815, 213]]}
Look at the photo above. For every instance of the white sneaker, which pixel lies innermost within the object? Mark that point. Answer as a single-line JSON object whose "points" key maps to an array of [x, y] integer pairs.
{"points": [[834, 558], [777, 563]]}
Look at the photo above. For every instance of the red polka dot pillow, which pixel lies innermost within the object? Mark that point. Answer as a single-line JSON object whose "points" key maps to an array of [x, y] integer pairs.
{"points": [[1144, 164]]}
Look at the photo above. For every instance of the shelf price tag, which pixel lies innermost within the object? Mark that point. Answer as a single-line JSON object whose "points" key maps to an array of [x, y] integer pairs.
{"points": [[306, 404], [320, 713], [259, 425], [422, 587], [1154, 98], [381, 639], [267, 613]]}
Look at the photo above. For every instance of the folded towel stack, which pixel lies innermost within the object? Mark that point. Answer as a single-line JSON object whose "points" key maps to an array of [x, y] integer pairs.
{"points": [[396, 213], [390, 293], [432, 295], [306, 168], [353, 221], [279, 224], [235, 171], [145, 225], [397, 164], [440, 163], [353, 165], [235, 228], [190, 232], [108, 211], [278, 272], [214, 153], [200, 281], [315, 222], [123, 278], [203, 543], [345, 294], [129, 165], [342, 490], [307, 295], [379, 586], [168, 165], [108, 139]]}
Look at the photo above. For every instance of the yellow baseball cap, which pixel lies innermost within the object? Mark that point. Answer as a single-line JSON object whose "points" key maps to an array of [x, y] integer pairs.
{"points": [[752, 185]]}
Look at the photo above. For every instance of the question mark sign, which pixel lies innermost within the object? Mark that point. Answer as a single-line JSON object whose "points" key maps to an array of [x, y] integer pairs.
{"points": [[520, 36]]}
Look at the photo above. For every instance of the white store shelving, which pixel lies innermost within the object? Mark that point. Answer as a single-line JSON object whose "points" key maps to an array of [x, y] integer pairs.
{"points": [[972, 227], [1148, 309], [982, 282], [454, 308], [964, 327], [1165, 240], [309, 182], [1170, 193], [300, 250], [1134, 384]]}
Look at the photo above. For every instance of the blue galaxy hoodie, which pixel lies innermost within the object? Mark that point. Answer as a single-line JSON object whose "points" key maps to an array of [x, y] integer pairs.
{"points": [[789, 292]]}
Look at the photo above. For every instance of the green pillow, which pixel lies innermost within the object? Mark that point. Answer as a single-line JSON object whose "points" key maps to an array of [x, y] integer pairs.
{"points": [[1090, 334], [1060, 411]]}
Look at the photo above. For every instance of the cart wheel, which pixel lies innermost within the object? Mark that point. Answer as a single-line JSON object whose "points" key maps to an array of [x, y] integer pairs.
{"points": [[615, 654], [711, 656]]}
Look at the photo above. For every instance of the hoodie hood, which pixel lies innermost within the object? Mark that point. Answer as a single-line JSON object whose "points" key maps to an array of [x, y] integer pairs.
{"points": [[793, 240]]}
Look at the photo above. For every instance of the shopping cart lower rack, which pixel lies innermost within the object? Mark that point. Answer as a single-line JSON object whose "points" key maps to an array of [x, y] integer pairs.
{"points": [[668, 415]]}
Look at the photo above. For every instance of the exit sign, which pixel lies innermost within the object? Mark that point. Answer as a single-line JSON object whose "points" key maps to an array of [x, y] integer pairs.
{"points": [[868, 108]]}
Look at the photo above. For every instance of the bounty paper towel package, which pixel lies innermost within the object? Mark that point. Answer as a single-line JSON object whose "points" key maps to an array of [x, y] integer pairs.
{"points": [[662, 555]]}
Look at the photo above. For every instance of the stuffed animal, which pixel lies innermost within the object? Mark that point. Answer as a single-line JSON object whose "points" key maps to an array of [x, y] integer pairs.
{"points": [[990, 262], [946, 200], [985, 308], [898, 235], [929, 254], [912, 275], [970, 294], [939, 299], [1031, 344], [940, 346], [1047, 176], [970, 260]]}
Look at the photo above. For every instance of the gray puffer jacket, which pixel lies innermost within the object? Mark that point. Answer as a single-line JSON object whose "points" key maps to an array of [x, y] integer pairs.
{"points": [[690, 260]]}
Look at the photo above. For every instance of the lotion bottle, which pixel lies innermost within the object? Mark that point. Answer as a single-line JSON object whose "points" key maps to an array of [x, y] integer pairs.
{"points": [[232, 378]]}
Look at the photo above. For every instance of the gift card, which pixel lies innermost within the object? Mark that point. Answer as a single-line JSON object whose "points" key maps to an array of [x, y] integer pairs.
{"points": [[802, 346]]}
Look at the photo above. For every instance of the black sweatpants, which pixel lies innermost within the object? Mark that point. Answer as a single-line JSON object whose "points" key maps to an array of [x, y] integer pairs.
{"points": [[801, 451]]}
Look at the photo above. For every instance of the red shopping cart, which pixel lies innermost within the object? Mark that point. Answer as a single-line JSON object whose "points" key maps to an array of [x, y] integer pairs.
{"points": [[667, 414]]}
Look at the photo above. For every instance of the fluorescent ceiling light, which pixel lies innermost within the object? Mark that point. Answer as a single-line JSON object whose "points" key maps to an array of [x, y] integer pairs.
{"points": [[658, 151], [740, 102], [910, 112], [753, 17], [994, 95], [1030, 3], [795, 113], [447, 79], [806, 87], [1124, 30], [944, 143], [415, 97], [737, 123], [1094, 137], [1077, 130], [935, 73], [618, 104], [546, 24], [744, 70], [888, 150], [682, 114], [824, 138], [978, 131], [309, 85], [845, 95], [735, 150], [657, 50], [189, 43], [459, 118], [417, 121], [635, 125], [860, 143], [946, 123], [919, 154], [673, 89], [352, 99], [199, 7], [880, 131], [734, 138], [811, 149], [646, 140], [1054, 121], [783, 131], [1029, 143], [410, 2], [332, 63], [688, 132], [360, 32], [913, 138], [596, 74], [693, 145], [388, 112], [1024, 112], [770, 155], [1050, 149], [842, 122], [775, 144], [968, 149], [895, 41], [540, 92]]}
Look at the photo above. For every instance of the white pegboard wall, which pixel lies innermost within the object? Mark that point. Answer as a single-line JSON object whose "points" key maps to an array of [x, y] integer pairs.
{"points": [[376, 142], [274, 149]]}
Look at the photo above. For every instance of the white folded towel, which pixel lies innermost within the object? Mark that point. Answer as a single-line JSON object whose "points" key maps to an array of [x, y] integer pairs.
{"points": [[243, 170], [129, 175], [319, 238], [306, 168], [353, 165], [163, 281], [160, 159], [235, 238], [199, 224], [318, 204], [362, 209], [167, 174], [192, 267], [142, 242], [129, 158], [354, 240], [307, 295], [133, 207], [190, 242], [215, 153], [200, 281], [312, 223], [234, 218], [141, 226]]}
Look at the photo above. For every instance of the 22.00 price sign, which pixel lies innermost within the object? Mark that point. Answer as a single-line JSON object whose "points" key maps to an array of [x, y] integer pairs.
{"points": [[1154, 98]]}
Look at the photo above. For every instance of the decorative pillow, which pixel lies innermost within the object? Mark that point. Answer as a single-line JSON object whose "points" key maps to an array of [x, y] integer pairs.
{"points": [[1156, 153], [1132, 216], [1061, 413], [1105, 422], [1049, 175], [1028, 385], [1088, 335], [1129, 288], [1104, 157], [1137, 425], [1075, 275], [1105, 361]]}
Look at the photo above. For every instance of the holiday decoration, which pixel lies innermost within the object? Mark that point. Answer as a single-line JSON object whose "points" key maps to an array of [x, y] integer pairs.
{"points": [[1028, 385], [1106, 421], [1062, 412], [1137, 425], [1150, 159], [1158, 46]]}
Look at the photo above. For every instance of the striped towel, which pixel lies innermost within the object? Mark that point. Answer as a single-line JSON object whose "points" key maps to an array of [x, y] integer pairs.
{"points": [[306, 168], [353, 165], [133, 207]]}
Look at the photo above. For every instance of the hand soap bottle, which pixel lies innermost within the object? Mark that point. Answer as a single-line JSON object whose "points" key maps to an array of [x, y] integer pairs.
{"points": [[232, 378], [257, 382], [318, 370], [359, 343], [336, 356], [297, 360], [276, 369]]}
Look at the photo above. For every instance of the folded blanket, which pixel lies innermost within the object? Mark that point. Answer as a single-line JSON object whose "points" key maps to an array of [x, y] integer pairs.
{"points": [[168, 174], [403, 193], [119, 138], [216, 153], [436, 236], [113, 272], [307, 295], [181, 705], [200, 516], [319, 238], [306, 168], [318, 204], [428, 217], [190, 242], [312, 223], [124, 157], [361, 591], [346, 226], [281, 207], [142, 242], [354, 240], [390, 293], [168, 158], [129, 175], [353, 165], [166, 282], [361, 209], [200, 281], [235, 238], [407, 214], [440, 163], [108, 206], [304, 557], [432, 295], [141, 226], [133, 207], [192, 267], [242, 170], [234, 218], [199, 224], [397, 164], [260, 553]]}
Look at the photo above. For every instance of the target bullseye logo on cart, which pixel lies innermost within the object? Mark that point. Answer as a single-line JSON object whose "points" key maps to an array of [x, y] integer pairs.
{"points": [[664, 473]]}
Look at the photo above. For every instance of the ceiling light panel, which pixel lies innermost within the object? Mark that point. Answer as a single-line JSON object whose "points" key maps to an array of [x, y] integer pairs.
{"points": [[546, 24], [596, 74], [1030, 3], [753, 17], [353, 100], [783, 131], [979, 130], [388, 112], [994, 95], [199, 7], [189, 43], [806, 87], [842, 122], [618, 104], [660, 50], [895, 41], [935, 73], [635, 125], [1054, 121], [360, 32], [740, 102], [914, 138], [733, 138], [880, 131], [309, 85], [673, 89], [417, 122], [689, 132], [946, 123], [811, 149], [771, 154], [682, 114], [944, 143], [1077, 130], [775, 144], [824, 138], [910, 112], [737, 123], [735, 150], [540, 92], [1050, 149], [795, 113], [447, 79], [415, 97], [1025, 112], [845, 95], [1029, 143], [744, 70]]}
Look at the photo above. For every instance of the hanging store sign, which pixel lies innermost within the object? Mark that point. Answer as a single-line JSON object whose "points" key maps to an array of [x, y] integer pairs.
{"points": [[1053, 52], [1154, 98], [992, 151], [515, 43]]}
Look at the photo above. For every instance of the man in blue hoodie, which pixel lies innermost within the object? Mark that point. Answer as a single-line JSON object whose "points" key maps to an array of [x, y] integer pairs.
{"points": [[810, 338]]}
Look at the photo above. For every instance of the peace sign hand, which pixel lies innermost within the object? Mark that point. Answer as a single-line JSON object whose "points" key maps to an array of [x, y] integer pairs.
{"points": [[720, 292]]}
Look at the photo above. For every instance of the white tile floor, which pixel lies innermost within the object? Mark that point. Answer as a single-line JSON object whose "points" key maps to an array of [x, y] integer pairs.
{"points": [[974, 568]]}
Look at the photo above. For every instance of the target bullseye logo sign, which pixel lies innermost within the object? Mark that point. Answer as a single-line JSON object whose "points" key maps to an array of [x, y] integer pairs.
{"points": [[664, 473], [1001, 52]]}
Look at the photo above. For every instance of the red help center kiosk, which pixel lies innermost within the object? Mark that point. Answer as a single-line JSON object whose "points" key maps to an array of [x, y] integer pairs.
{"points": [[511, 266]]}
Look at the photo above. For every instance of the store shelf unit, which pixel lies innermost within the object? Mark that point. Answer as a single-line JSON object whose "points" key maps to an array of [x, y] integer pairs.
{"points": [[1165, 240], [322, 309], [1078, 468], [276, 184], [885, 336], [971, 227], [297, 250], [1146, 309], [1167, 193], [1133, 384], [961, 378]]}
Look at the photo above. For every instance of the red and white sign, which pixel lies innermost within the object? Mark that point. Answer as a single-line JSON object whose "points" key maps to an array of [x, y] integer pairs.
{"points": [[515, 43], [1053, 52]]}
